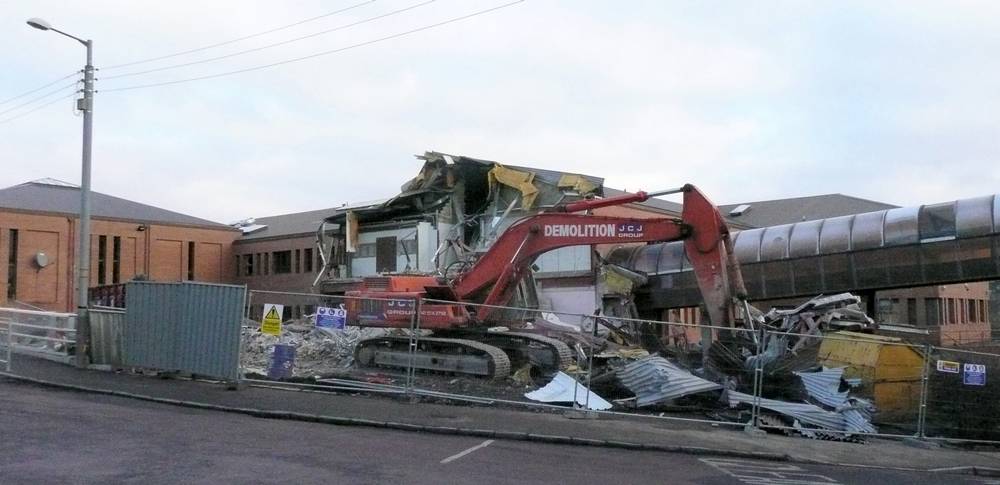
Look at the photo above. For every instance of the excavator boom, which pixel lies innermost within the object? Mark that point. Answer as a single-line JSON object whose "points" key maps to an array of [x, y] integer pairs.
{"points": [[492, 279]]}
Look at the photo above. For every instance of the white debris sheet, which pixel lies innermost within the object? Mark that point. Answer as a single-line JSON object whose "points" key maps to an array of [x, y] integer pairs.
{"points": [[318, 351], [655, 380], [564, 388]]}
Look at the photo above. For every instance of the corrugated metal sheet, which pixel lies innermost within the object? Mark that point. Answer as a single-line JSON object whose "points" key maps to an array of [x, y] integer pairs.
{"points": [[106, 335], [655, 379], [824, 386], [850, 420], [187, 327]]}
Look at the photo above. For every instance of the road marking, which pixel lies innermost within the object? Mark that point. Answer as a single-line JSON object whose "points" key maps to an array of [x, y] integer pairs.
{"points": [[460, 454], [764, 473]]}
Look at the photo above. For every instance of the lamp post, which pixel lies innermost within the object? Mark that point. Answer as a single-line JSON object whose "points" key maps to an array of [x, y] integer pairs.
{"points": [[83, 266]]}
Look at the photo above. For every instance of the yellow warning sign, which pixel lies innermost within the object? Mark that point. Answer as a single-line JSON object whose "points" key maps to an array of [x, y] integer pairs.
{"points": [[271, 324]]}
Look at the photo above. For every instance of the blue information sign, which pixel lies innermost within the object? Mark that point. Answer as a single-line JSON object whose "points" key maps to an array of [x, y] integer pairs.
{"points": [[974, 374], [327, 317]]}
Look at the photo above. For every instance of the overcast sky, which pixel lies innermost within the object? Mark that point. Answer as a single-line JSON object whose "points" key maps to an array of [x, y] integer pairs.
{"points": [[892, 101]]}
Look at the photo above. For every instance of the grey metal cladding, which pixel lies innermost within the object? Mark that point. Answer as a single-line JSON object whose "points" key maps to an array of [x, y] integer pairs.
{"points": [[774, 242], [747, 245], [804, 240], [866, 233], [996, 213], [106, 333], [836, 235], [902, 226], [188, 327], [974, 217], [647, 258], [672, 258]]}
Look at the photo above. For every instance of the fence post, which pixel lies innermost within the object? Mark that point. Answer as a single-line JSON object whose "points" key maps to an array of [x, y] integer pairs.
{"points": [[10, 343], [248, 301], [758, 379], [924, 389], [590, 366], [414, 342]]}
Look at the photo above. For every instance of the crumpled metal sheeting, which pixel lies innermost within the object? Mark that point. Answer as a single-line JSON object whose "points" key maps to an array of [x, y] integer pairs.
{"points": [[849, 419], [824, 386], [654, 380], [564, 388]]}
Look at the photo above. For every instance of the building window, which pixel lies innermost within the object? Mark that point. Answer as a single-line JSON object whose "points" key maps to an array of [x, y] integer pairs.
{"points": [[366, 250], [911, 311], [116, 260], [971, 308], [102, 256], [190, 260], [12, 266], [307, 259], [298, 260], [248, 259], [282, 262], [982, 311], [952, 313], [385, 255], [239, 259], [257, 267], [267, 263], [932, 307]]}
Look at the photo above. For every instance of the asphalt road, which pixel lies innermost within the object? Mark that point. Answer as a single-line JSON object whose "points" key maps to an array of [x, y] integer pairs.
{"points": [[52, 436]]}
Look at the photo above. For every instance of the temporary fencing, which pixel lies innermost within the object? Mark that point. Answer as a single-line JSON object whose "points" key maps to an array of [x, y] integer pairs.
{"points": [[835, 385], [961, 398]]}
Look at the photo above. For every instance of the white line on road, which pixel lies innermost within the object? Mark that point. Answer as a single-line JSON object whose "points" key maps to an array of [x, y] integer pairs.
{"points": [[767, 473], [460, 454]]}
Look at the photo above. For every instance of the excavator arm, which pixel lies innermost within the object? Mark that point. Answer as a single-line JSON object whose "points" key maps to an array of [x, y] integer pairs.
{"points": [[492, 279]]}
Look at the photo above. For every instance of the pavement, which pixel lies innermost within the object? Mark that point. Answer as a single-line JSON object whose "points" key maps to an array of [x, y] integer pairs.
{"points": [[494, 422], [57, 436]]}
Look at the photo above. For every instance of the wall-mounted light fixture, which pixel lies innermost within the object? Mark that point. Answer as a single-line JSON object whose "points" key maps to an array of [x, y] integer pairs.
{"points": [[141, 228]]}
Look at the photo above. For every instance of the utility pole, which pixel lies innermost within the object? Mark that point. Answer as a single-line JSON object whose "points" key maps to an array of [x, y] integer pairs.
{"points": [[86, 105]]}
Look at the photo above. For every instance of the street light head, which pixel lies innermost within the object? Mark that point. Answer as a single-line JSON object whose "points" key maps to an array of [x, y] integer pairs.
{"points": [[39, 24]]}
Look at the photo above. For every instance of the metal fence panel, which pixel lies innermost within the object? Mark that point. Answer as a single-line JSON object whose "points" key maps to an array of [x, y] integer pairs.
{"points": [[106, 334], [43, 334], [187, 327]]}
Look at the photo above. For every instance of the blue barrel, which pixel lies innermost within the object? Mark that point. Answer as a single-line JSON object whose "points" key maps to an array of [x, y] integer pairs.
{"points": [[282, 362]]}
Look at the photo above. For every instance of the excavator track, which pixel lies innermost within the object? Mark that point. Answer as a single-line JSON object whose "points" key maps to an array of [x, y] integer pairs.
{"points": [[547, 353], [452, 355]]}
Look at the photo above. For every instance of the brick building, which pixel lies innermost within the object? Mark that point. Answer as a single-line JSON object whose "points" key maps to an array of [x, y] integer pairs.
{"points": [[39, 223], [278, 253]]}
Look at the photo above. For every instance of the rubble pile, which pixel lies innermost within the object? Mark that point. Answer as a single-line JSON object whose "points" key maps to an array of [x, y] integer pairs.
{"points": [[318, 351], [798, 395], [793, 334]]}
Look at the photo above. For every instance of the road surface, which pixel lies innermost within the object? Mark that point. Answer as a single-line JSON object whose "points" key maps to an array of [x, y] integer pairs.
{"points": [[54, 436]]}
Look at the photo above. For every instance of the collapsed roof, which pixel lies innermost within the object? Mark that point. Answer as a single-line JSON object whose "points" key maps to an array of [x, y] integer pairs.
{"points": [[473, 186]]}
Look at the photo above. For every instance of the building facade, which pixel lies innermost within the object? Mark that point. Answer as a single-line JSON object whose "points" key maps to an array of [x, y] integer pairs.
{"points": [[39, 230]]}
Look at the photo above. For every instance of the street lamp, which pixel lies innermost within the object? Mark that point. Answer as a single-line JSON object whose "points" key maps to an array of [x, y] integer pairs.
{"points": [[83, 268]]}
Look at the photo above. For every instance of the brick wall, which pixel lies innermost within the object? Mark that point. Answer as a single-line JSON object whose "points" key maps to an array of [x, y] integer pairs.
{"points": [[297, 280], [159, 252]]}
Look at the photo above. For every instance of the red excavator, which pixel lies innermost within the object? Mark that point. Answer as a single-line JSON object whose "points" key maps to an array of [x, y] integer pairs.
{"points": [[461, 342]]}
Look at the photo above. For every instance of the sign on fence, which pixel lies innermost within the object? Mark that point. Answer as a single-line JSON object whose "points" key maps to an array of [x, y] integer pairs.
{"points": [[271, 323], [327, 317], [974, 375], [948, 366]]}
